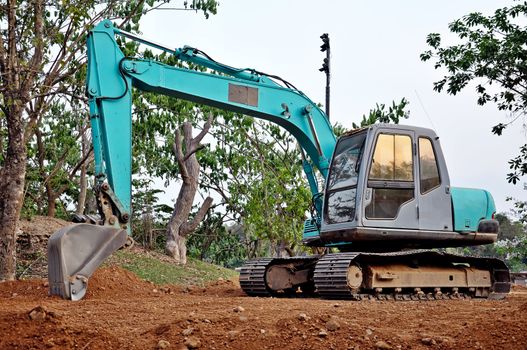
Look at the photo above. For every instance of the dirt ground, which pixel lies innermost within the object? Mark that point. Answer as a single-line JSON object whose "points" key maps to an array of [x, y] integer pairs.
{"points": [[121, 311]]}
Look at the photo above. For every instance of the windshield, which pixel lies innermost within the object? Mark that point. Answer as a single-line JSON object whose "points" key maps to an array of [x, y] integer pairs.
{"points": [[345, 166], [342, 181]]}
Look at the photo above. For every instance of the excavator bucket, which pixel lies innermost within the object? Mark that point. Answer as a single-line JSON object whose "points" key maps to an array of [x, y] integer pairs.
{"points": [[75, 252]]}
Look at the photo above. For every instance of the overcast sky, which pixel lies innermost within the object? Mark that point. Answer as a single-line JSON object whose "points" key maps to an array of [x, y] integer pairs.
{"points": [[375, 47]]}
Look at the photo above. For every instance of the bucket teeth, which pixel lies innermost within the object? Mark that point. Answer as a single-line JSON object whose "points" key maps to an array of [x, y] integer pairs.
{"points": [[75, 252]]}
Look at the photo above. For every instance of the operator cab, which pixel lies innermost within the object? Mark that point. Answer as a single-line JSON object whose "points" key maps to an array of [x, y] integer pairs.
{"points": [[388, 188]]}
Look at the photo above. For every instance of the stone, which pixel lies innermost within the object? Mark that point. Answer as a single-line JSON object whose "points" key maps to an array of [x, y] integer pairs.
{"points": [[382, 345], [244, 319], [192, 342], [38, 314], [238, 309], [322, 333], [262, 331], [187, 331], [163, 344], [302, 317], [428, 341], [233, 334], [332, 325], [369, 331]]}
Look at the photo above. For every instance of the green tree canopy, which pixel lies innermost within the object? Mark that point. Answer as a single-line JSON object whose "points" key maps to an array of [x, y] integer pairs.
{"points": [[492, 54]]}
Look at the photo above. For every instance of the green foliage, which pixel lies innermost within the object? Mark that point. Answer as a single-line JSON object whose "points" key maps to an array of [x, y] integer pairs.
{"points": [[53, 158], [509, 229], [510, 247], [152, 268], [394, 114], [514, 252], [491, 53], [214, 243]]}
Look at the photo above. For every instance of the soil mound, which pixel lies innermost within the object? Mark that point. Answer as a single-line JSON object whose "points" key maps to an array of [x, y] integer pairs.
{"points": [[115, 282]]}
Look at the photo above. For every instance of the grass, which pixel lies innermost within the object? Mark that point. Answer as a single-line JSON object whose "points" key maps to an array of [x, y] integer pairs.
{"points": [[158, 268]]}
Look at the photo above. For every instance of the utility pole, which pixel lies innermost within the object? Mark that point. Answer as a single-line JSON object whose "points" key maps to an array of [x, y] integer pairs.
{"points": [[325, 66]]}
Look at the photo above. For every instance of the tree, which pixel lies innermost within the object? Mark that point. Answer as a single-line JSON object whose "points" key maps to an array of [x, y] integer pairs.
{"points": [[179, 228], [394, 114], [41, 60], [509, 229], [492, 55]]}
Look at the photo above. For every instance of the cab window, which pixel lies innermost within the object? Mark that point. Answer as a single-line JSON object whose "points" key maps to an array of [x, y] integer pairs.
{"points": [[428, 169], [391, 176]]}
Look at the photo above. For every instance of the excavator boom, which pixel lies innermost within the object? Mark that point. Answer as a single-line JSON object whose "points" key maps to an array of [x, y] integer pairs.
{"points": [[110, 79]]}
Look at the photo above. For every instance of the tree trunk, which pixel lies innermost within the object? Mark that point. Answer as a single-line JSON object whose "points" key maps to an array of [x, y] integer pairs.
{"points": [[12, 181], [51, 198], [83, 180], [178, 227]]}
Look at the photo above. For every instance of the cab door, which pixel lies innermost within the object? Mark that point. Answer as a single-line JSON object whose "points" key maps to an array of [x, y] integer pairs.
{"points": [[390, 194], [435, 202]]}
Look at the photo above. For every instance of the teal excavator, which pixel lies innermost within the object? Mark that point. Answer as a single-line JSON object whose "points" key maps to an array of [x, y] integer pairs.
{"points": [[385, 196]]}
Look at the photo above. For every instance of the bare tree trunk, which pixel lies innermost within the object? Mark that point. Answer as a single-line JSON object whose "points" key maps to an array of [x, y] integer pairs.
{"points": [[51, 198], [178, 227], [83, 180]]}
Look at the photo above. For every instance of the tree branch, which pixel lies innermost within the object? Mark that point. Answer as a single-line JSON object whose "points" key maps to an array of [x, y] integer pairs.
{"points": [[188, 227], [177, 147]]}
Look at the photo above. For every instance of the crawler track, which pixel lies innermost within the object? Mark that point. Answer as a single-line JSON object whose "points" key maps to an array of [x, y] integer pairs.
{"points": [[253, 276], [330, 277]]}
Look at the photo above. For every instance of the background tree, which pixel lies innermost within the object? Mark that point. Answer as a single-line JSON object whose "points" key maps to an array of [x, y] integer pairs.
{"points": [[42, 52], [492, 55], [180, 226]]}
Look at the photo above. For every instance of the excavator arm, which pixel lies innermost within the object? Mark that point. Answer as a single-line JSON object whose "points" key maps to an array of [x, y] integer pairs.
{"points": [[111, 77], [75, 252]]}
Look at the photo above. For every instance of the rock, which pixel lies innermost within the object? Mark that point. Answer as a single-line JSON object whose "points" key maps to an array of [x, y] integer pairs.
{"points": [[238, 309], [428, 341], [322, 333], [382, 345], [38, 313], [233, 334], [332, 325], [154, 290], [45, 284], [369, 331], [262, 331], [192, 342], [244, 319], [220, 279], [302, 317], [207, 320], [163, 344], [187, 331], [336, 305]]}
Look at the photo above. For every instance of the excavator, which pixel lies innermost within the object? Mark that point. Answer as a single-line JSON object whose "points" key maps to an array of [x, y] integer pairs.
{"points": [[381, 194]]}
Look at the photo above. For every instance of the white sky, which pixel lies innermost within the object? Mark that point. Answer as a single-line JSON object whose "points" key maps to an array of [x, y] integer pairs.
{"points": [[375, 47]]}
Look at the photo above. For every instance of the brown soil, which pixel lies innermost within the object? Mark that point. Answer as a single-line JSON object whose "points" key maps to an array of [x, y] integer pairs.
{"points": [[122, 311]]}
